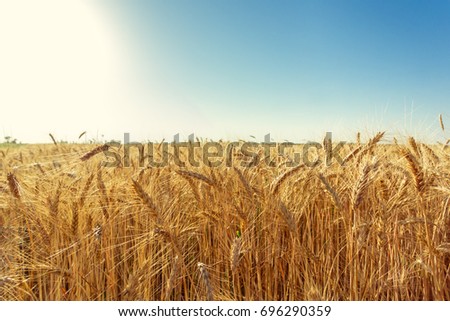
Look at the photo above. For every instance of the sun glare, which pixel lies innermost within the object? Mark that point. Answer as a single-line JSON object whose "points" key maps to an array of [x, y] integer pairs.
{"points": [[58, 63]]}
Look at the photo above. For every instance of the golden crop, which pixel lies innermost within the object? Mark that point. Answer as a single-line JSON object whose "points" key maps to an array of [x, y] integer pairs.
{"points": [[374, 228]]}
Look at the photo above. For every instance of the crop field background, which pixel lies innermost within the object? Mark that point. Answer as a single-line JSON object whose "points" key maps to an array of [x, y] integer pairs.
{"points": [[376, 227]]}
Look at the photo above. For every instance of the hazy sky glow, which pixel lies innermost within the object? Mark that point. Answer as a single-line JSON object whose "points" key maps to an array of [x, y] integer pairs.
{"points": [[223, 69]]}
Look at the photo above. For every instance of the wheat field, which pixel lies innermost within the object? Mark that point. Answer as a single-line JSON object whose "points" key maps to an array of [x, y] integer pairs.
{"points": [[376, 227]]}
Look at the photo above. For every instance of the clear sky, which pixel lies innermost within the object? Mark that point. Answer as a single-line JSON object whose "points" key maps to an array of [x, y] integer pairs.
{"points": [[223, 69]]}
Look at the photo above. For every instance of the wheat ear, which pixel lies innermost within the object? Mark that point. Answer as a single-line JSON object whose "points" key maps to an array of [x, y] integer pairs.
{"points": [[360, 187], [173, 277], [94, 152], [85, 190], [352, 154], [75, 212], [53, 139], [415, 170], [146, 199], [205, 276], [370, 145], [243, 181], [13, 185], [330, 190], [276, 184], [431, 154], [412, 143], [235, 253], [196, 176], [288, 217]]}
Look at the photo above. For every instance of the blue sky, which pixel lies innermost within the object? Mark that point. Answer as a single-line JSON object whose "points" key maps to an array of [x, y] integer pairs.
{"points": [[295, 69]]}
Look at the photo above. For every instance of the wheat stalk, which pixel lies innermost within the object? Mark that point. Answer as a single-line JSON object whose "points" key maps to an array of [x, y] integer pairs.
{"points": [[94, 152], [446, 144]]}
